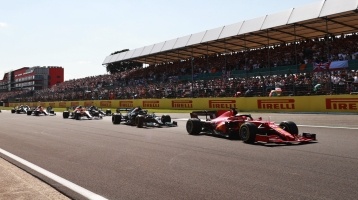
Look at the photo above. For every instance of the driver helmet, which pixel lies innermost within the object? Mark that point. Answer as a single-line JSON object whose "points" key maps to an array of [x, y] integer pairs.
{"points": [[234, 111]]}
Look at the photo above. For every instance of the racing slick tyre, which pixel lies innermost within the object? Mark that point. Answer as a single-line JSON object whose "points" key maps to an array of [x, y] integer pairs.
{"points": [[139, 121], [108, 112], [95, 114], [193, 126], [290, 127], [29, 112], [116, 119], [166, 118], [248, 132], [37, 113], [77, 116], [13, 111], [65, 114]]}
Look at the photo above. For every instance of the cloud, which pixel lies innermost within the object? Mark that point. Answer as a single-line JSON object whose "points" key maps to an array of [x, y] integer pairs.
{"points": [[3, 25]]}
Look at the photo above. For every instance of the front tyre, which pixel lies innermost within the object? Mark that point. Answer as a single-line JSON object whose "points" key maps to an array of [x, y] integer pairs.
{"points": [[166, 119], [116, 119], [290, 127], [65, 114], [248, 132]]}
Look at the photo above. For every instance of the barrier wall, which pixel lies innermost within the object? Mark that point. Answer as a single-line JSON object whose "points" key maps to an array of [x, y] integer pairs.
{"points": [[333, 103]]}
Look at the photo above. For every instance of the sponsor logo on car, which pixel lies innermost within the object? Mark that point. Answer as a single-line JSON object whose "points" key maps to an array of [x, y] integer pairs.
{"points": [[222, 104], [126, 104], [276, 104], [182, 104], [342, 103], [151, 104], [105, 103]]}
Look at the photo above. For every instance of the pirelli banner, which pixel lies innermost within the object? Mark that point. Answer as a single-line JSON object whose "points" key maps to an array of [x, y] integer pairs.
{"points": [[333, 103]]}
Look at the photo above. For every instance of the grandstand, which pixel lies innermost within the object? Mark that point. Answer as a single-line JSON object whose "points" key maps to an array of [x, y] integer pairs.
{"points": [[324, 19], [248, 58]]}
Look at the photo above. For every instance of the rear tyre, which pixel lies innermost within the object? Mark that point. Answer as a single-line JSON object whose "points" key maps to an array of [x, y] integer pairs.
{"points": [[77, 116], [29, 112], [116, 119], [139, 121], [108, 112], [193, 126], [13, 111], [248, 132], [290, 127]]}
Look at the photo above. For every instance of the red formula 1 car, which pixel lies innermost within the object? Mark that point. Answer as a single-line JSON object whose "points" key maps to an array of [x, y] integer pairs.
{"points": [[242, 126]]}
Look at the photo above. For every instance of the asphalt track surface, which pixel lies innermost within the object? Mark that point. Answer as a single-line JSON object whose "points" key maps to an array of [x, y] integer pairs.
{"points": [[124, 162]]}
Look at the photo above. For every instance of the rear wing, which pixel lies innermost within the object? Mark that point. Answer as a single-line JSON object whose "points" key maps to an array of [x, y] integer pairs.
{"points": [[206, 113]]}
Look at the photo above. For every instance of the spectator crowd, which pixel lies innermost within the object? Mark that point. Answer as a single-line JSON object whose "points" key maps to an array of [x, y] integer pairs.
{"points": [[217, 75]]}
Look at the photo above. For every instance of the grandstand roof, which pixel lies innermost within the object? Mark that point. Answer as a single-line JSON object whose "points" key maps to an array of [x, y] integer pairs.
{"points": [[330, 17]]}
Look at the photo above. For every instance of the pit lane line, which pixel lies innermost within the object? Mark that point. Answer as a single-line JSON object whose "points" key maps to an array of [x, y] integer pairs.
{"points": [[76, 188], [312, 126]]}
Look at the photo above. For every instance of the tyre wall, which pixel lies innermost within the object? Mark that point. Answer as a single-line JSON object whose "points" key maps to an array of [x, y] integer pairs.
{"points": [[332, 103]]}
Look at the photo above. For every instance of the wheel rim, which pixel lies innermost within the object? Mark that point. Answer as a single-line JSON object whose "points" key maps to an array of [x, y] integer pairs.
{"points": [[244, 133]]}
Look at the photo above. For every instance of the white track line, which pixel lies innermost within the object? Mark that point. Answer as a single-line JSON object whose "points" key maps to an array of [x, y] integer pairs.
{"points": [[332, 127], [76, 188]]}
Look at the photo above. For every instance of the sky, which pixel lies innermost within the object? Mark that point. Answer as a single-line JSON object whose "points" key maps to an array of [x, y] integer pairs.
{"points": [[79, 34]]}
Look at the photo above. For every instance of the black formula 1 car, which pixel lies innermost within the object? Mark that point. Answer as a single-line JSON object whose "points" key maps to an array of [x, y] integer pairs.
{"points": [[80, 112], [242, 126], [22, 109], [141, 118], [39, 110], [93, 110]]}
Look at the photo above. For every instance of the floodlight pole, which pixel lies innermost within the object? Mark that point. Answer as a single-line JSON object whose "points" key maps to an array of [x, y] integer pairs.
{"points": [[207, 57], [294, 32], [268, 50], [327, 44], [297, 70], [245, 56], [192, 73]]}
